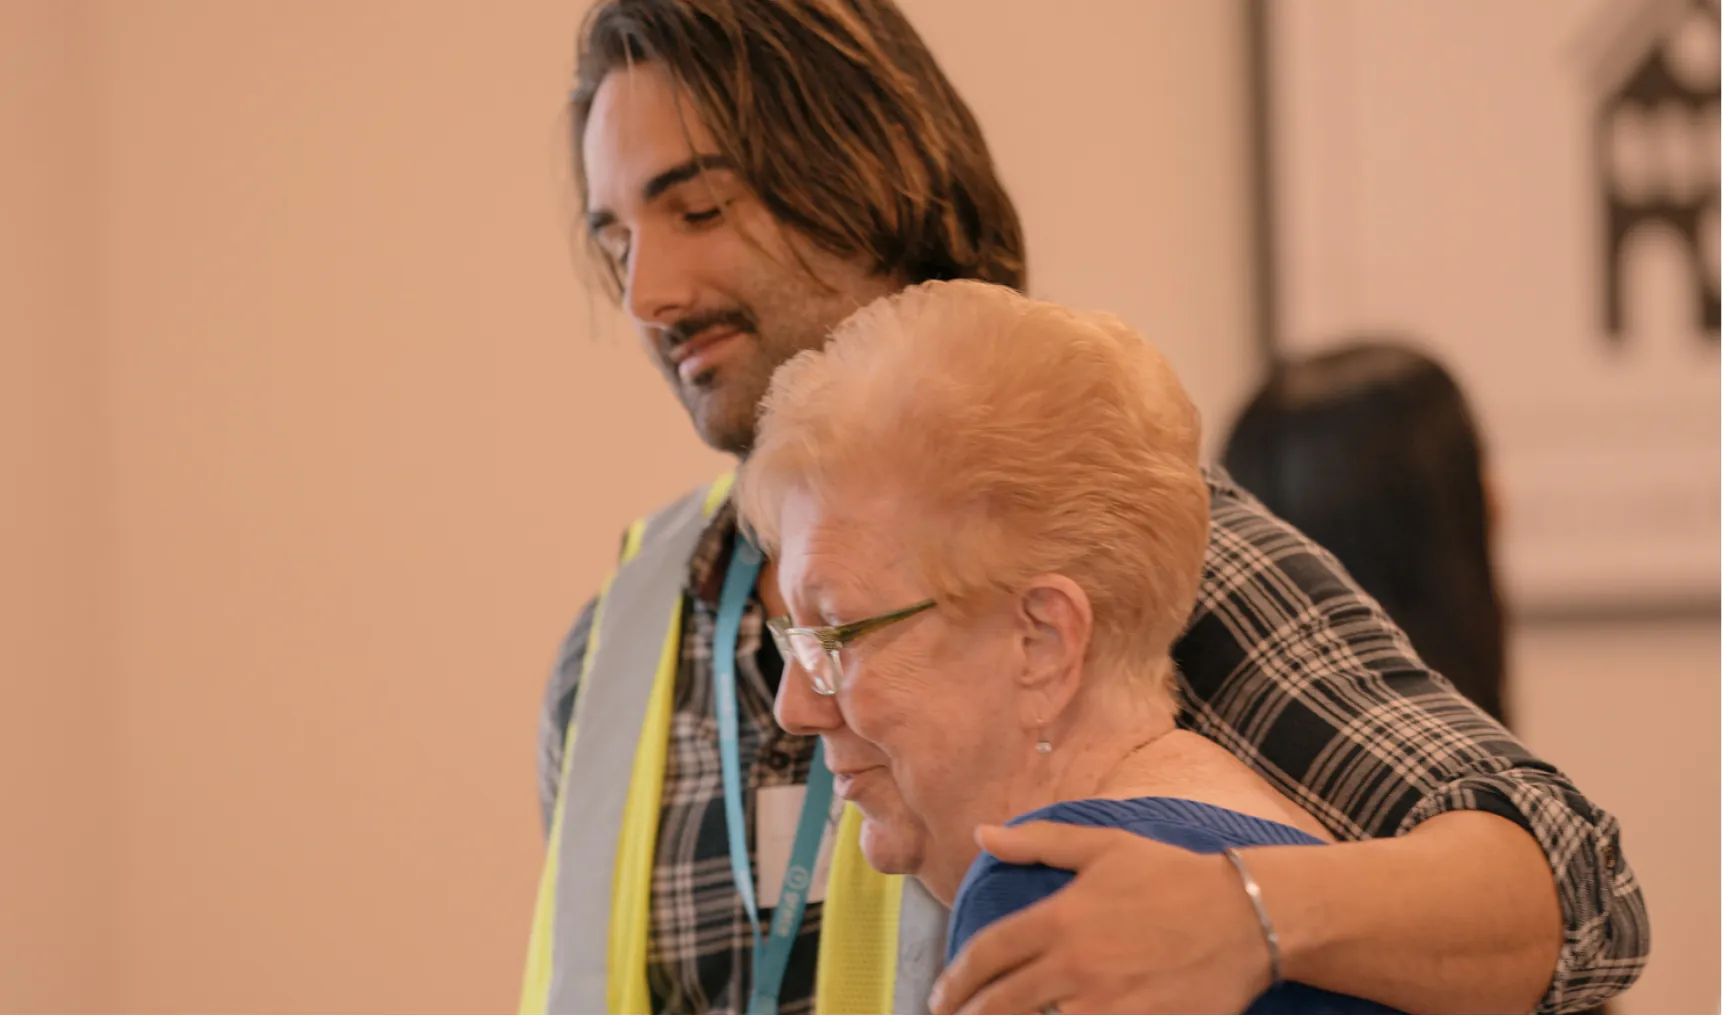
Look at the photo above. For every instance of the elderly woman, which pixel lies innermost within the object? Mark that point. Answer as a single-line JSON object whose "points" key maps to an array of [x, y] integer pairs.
{"points": [[990, 523]]}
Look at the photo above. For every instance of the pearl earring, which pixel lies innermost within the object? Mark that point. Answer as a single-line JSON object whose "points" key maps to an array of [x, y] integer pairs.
{"points": [[1043, 746]]}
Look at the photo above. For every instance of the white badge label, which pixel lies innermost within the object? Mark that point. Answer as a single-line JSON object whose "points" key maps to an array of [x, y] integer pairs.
{"points": [[779, 812]]}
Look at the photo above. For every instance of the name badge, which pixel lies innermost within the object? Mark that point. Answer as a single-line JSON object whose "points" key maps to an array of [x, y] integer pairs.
{"points": [[779, 811]]}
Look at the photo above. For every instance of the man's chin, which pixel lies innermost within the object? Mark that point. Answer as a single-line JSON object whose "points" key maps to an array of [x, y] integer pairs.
{"points": [[722, 423]]}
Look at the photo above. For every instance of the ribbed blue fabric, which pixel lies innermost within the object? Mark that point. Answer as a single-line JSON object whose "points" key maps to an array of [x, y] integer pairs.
{"points": [[993, 889]]}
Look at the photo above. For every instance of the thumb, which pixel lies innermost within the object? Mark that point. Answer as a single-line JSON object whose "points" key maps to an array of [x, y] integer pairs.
{"points": [[1054, 844]]}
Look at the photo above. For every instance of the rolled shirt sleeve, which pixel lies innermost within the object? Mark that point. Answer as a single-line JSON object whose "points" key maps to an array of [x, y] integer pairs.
{"points": [[1291, 666]]}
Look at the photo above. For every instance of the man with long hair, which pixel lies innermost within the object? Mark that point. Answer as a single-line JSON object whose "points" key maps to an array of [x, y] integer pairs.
{"points": [[752, 172]]}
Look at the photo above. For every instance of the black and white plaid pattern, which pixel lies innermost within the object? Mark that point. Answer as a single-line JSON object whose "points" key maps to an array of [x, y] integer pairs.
{"points": [[1286, 663]]}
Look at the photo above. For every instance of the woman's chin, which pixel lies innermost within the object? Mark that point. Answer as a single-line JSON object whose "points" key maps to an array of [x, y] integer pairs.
{"points": [[889, 848]]}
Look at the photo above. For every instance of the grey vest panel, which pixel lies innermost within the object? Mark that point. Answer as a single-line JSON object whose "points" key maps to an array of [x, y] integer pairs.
{"points": [[921, 927], [608, 715]]}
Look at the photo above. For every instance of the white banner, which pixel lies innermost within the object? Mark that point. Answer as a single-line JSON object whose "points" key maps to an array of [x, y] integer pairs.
{"points": [[1483, 174]]}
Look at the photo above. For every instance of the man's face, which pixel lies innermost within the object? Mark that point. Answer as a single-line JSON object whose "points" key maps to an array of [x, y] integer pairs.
{"points": [[710, 278]]}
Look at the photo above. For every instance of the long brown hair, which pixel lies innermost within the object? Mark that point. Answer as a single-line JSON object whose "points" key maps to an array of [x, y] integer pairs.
{"points": [[836, 115], [1371, 449]]}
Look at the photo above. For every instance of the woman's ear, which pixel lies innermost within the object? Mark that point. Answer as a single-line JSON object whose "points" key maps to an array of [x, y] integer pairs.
{"points": [[1057, 622]]}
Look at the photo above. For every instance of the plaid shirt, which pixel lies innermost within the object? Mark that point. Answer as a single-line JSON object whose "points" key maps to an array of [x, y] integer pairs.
{"points": [[1286, 663]]}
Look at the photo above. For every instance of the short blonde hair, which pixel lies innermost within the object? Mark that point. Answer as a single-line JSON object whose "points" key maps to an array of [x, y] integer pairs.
{"points": [[1021, 438]]}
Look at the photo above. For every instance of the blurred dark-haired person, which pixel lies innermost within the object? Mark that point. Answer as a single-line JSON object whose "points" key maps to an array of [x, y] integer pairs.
{"points": [[753, 172], [1371, 450]]}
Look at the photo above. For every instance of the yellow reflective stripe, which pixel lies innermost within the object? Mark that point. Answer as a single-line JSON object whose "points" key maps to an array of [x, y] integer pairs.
{"points": [[857, 969], [631, 890], [719, 490], [540, 950], [636, 848], [630, 546], [631, 886], [535, 985]]}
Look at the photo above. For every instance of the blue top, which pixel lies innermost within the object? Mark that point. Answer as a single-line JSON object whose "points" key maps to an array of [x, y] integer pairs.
{"points": [[993, 889]]}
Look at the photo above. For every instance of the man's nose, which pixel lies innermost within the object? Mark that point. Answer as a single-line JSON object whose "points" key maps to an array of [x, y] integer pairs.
{"points": [[659, 287]]}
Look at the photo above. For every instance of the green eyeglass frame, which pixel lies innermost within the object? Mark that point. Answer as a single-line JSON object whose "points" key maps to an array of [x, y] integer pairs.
{"points": [[817, 649]]}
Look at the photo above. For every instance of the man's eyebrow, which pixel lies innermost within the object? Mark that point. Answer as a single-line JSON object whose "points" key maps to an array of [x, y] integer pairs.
{"points": [[678, 174], [682, 173]]}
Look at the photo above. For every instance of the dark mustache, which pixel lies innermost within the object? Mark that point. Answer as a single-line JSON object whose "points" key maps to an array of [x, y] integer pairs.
{"points": [[688, 327]]}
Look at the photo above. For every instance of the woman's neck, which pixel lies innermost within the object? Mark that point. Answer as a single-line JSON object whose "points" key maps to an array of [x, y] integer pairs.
{"points": [[1093, 746], [1119, 741], [1095, 743], [1121, 750]]}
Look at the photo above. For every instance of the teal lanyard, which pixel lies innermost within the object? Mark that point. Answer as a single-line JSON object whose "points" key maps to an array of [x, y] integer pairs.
{"points": [[770, 956]]}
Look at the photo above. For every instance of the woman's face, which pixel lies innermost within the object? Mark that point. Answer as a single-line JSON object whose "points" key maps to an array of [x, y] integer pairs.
{"points": [[926, 734]]}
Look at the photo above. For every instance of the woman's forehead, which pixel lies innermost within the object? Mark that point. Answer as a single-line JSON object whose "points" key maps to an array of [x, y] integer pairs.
{"points": [[839, 544]]}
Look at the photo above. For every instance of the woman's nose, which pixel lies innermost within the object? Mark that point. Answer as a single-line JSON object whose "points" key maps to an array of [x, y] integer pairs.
{"points": [[800, 709]]}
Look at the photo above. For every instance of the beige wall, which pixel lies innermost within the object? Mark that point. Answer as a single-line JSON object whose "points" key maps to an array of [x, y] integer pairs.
{"points": [[324, 443], [1629, 710], [320, 445], [57, 681], [1118, 127], [366, 468]]}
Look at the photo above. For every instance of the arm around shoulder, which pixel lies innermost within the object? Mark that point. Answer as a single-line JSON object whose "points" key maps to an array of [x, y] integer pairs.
{"points": [[1293, 668]]}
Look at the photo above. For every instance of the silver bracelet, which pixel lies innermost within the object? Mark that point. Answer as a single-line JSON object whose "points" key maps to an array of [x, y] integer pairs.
{"points": [[1276, 965]]}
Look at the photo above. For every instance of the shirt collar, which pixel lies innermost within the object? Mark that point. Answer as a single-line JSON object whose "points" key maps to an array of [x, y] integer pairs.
{"points": [[710, 560]]}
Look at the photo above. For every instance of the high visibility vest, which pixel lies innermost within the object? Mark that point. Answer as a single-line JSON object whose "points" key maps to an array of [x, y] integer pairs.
{"points": [[882, 937]]}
